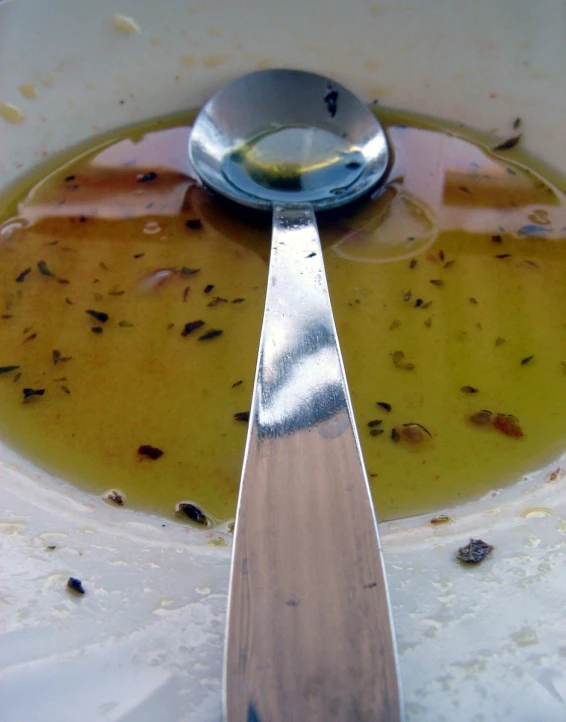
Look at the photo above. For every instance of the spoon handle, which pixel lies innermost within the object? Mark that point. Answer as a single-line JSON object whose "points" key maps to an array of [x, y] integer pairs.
{"points": [[309, 623]]}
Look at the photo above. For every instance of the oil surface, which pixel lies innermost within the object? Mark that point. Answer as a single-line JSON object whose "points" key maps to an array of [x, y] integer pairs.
{"points": [[448, 290]]}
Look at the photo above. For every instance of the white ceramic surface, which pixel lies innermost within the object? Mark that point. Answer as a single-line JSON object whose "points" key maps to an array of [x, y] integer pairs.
{"points": [[145, 642]]}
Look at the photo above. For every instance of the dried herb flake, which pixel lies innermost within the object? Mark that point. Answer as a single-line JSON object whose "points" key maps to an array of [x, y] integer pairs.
{"points": [[469, 390], [188, 271], [213, 333], [474, 552], [7, 369], [44, 270], [509, 143], [191, 326], [384, 405], [242, 416], [437, 282], [98, 315], [150, 176], [526, 360], [193, 223], [28, 393], [23, 274]]}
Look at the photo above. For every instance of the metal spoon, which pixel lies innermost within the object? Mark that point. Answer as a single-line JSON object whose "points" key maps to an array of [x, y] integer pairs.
{"points": [[309, 636]]}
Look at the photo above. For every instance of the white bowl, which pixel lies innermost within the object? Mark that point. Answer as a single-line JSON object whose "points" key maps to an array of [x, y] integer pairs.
{"points": [[145, 642]]}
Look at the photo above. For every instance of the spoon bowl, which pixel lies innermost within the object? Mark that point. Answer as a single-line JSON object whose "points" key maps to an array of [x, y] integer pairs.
{"points": [[289, 137]]}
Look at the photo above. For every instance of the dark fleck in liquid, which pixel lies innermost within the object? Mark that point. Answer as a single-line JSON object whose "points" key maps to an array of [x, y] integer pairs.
{"points": [[131, 304]]}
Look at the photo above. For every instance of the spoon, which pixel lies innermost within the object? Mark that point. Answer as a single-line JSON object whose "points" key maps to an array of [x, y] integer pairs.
{"points": [[309, 631]]}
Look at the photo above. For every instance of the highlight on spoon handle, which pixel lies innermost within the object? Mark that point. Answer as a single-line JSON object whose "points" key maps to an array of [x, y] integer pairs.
{"points": [[309, 635]]}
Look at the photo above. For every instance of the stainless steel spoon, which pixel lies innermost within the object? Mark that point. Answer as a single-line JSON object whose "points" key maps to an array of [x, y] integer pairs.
{"points": [[309, 636]]}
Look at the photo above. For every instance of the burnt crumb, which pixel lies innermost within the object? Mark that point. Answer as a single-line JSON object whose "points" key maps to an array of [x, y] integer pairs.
{"points": [[242, 416], [474, 552], [331, 100], [75, 585], [192, 512], [194, 224], [213, 333], [509, 143], [208, 288], [191, 326], [115, 496], [150, 452], [146, 177], [29, 393], [23, 274]]}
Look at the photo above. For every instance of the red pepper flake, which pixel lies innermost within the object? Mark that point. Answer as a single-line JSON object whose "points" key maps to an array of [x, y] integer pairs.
{"points": [[508, 425], [151, 452], [242, 416], [23, 274], [83, 219], [194, 224], [482, 418], [213, 333], [103, 265], [150, 176], [63, 281], [190, 327], [208, 288], [186, 293]]}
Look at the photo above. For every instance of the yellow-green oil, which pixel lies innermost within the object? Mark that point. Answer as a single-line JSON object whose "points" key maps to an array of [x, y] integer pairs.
{"points": [[459, 265]]}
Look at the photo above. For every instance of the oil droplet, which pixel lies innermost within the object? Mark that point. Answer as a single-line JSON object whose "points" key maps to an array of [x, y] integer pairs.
{"points": [[11, 113], [29, 90], [125, 25]]}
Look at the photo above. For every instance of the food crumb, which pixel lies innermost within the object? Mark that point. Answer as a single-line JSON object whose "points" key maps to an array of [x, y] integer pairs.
{"points": [[474, 552], [115, 496], [440, 519], [125, 25]]}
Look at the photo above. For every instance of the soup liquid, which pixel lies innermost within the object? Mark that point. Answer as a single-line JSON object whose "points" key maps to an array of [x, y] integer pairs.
{"points": [[448, 290]]}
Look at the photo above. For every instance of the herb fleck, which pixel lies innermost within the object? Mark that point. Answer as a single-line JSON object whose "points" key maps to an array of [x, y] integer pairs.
{"points": [[188, 271], [473, 301], [482, 418], [151, 175], [242, 416], [65, 389], [238, 300], [237, 383], [474, 552], [394, 324], [58, 358], [75, 585], [193, 512], [395, 436], [469, 390], [150, 452], [194, 224], [139, 255], [28, 393], [216, 301], [437, 282], [23, 274], [517, 123], [186, 293], [449, 264], [503, 255], [98, 315], [97, 329], [191, 326], [376, 432], [331, 100], [384, 405], [375, 422], [208, 288], [499, 341], [509, 143], [213, 333], [526, 360], [125, 324], [44, 270], [497, 239], [413, 263], [115, 496], [7, 369]]}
